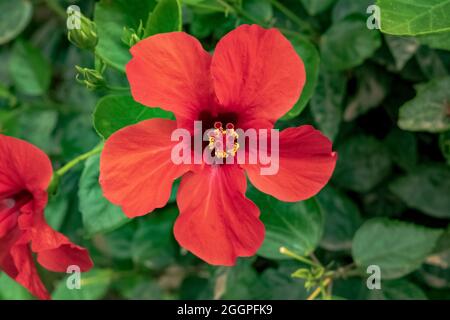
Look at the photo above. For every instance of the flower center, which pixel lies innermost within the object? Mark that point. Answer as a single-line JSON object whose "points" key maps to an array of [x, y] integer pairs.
{"points": [[223, 141]]}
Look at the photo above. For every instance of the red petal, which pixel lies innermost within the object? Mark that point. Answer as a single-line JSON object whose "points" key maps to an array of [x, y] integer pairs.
{"points": [[136, 170], [23, 167], [306, 163], [17, 262], [56, 252], [171, 71], [217, 222], [258, 71]]}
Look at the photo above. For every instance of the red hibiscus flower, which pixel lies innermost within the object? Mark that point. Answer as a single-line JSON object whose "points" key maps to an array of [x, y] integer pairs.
{"points": [[25, 173], [253, 78]]}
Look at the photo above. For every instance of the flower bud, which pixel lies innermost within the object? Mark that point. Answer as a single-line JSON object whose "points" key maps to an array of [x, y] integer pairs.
{"points": [[130, 36], [84, 33]]}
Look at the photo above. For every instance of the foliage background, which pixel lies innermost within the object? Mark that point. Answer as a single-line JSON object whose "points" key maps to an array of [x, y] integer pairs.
{"points": [[382, 97]]}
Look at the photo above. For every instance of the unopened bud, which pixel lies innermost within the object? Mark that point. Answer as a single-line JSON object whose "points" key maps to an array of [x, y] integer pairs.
{"points": [[82, 32], [130, 36]]}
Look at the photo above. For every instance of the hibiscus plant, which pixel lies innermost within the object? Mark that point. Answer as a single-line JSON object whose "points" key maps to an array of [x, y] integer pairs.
{"points": [[224, 149]]}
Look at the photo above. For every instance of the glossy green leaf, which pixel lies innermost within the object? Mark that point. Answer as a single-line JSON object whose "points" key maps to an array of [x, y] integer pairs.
{"points": [[14, 17], [166, 17], [427, 189], [414, 17], [347, 44], [316, 6], [93, 285], [362, 164], [115, 112], [398, 248], [11, 290], [342, 219], [439, 40], [153, 244], [297, 226], [399, 289], [308, 52], [345, 8], [99, 215], [403, 148], [429, 110], [111, 17], [326, 103], [372, 87], [30, 71]]}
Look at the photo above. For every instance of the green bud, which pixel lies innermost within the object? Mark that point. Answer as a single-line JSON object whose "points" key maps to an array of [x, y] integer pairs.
{"points": [[91, 78], [82, 32], [130, 36], [301, 273]]}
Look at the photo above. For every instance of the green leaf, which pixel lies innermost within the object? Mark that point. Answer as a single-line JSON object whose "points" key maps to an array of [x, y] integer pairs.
{"points": [[31, 123], [116, 244], [431, 63], [297, 226], [14, 17], [238, 282], [429, 110], [345, 8], [402, 49], [30, 71], [342, 219], [398, 248], [115, 112], [362, 164], [154, 245], [414, 17], [99, 215], [326, 103], [260, 9], [279, 285], [94, 285], [436, 40], [166, 17], [426, 189], [308, 52], [347, 44], [316, 6], [110, 18], [444, 145], [399, 289], [372, 87], [402, 146], [11, 290]]}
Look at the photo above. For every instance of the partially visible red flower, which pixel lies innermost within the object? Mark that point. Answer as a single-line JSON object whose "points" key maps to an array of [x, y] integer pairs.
{"points": [[25, 173], [253, 78]]}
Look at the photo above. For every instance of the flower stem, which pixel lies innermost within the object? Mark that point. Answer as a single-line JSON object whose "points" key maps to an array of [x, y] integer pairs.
{"points": [[319, 289], [63, 170], [285, 251], [291, 16]]}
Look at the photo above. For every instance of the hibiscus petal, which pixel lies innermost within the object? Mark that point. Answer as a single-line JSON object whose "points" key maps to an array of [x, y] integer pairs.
{"points": [[257, 71], [217, 222], [56, 252], [17, 262], [306, 163], [23, 167], [171, 71], [136, 170]]}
